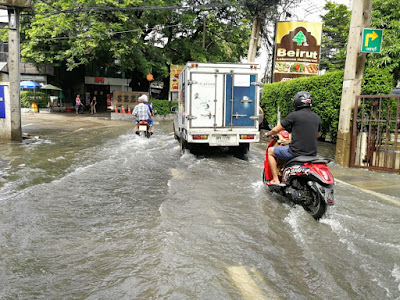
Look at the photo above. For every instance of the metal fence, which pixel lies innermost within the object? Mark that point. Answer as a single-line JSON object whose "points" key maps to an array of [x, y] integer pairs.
{"points": [[376, 138]]}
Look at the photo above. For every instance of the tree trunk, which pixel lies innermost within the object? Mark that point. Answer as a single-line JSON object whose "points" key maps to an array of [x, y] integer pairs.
{"points": [[255, 31]]}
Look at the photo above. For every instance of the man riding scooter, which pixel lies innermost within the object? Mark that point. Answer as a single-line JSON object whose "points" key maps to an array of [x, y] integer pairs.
{"points": [[143, 111], [305, 126]]}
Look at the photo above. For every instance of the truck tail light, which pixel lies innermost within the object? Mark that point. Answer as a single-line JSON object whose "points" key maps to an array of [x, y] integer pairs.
{"points": [[247, 136], [200, 137]]}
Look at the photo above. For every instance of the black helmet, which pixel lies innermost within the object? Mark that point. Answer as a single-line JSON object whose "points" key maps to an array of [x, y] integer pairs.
{"points": [[301, 100]]}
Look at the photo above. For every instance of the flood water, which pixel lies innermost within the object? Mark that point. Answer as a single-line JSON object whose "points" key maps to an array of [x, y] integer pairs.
{"points": [[109, 215]]}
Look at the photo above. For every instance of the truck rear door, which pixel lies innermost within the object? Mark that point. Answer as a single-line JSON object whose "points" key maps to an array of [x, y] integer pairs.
{"points": [[240, 101], [207, 98]]}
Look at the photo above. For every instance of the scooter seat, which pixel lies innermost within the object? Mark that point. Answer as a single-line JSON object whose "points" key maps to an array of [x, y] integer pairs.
{"points": [[303, 159]]}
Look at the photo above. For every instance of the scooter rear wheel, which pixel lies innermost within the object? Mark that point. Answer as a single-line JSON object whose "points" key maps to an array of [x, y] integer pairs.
{"points": [[316, 206]]}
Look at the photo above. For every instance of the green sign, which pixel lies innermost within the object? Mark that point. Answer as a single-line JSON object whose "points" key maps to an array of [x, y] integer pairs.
{"points": [[371, 40]]}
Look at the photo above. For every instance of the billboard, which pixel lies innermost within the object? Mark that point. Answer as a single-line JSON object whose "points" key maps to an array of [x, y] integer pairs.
{"points": [[175, 70], [297, 50]]}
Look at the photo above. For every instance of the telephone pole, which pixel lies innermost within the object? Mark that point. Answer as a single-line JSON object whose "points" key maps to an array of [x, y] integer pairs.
{"points": [[10, 118], [353, 75]]}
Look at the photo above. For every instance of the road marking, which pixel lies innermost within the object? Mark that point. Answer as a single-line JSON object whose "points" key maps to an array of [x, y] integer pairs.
{"points": [[27, 125], [176, 174], [384, 197], [245, 284]]}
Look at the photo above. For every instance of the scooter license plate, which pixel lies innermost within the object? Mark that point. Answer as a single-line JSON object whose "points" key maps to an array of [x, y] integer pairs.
{"points": [[142, 127]]}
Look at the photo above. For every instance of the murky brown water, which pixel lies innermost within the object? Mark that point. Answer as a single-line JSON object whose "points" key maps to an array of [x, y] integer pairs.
{"points": [[105, 214]]}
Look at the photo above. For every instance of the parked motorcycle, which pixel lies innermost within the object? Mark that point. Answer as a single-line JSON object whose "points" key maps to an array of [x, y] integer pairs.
{"points": [[144, 129], [305, 180]]}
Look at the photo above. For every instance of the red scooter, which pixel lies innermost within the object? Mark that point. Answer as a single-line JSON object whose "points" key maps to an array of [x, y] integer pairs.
{"points": [[305, 180]]}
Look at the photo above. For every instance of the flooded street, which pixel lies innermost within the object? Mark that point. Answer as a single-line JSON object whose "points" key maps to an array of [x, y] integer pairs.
{"points": [[101, 213]]}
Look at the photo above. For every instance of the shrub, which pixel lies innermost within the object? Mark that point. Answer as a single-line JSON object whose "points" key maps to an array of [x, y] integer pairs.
{"points": [[41, 98], [327, 92], [163, 107]]}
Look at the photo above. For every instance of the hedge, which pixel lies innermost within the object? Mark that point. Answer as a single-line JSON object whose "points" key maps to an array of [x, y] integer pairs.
{"points": [[326, 91], [41, 98], [163, 107]]}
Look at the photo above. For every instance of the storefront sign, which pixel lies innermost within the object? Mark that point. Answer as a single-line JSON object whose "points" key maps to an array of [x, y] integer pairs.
{"points": [[297, 50], [127, 98], [175, 70], [99, 79]]}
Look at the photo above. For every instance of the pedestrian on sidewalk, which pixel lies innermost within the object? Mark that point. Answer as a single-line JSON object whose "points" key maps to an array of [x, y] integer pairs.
{"points": [[78, 102], [93, 105]]}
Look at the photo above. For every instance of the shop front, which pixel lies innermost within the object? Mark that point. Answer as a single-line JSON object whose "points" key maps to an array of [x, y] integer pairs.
{"points": [[102, 88]]}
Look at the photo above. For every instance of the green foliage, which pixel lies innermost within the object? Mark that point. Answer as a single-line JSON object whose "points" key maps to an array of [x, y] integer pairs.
{"points": [[377, 81], [41, 98], [140, 41], [385, 15], [163, 107], [336, 24], [327, 92]]}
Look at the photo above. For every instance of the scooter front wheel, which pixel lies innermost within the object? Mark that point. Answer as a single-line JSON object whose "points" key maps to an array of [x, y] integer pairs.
{"points": [[264, 178]]}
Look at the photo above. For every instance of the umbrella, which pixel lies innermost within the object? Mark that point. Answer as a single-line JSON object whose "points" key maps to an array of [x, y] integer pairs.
{"points": [[29, 85], [50, 87]]}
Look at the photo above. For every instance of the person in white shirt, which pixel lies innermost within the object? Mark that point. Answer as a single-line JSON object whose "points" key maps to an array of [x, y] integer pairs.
{"points": [[142, 112]]}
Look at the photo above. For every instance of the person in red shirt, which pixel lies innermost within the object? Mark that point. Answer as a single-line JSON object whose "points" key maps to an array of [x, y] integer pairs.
{"points": [[77, 103]]}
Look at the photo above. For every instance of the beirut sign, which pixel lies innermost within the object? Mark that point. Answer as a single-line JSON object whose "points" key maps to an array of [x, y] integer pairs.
{"points": [[297, 50]]}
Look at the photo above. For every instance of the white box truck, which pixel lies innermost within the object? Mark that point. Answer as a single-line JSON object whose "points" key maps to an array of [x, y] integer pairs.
{"points": [[218, 106]]}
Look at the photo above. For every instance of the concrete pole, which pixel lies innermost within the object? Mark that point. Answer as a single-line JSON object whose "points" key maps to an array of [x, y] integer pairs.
{"points": [[14, 74], [353, 75]]}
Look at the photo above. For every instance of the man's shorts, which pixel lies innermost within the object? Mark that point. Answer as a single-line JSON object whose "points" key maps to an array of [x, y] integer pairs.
{"points": [[282, 152]]}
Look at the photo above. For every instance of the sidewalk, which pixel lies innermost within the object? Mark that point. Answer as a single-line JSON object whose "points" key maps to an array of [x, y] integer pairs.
{"points": [[376, 183]]}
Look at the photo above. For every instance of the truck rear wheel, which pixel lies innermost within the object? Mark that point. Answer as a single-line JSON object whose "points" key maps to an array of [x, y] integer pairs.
{"points": [[241, 150]]}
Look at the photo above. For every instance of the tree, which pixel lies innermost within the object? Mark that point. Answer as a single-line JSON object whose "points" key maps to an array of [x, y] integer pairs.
{"points": [[386, 16], [336, 25], [258, 10], [139, 36], [268, 18]]}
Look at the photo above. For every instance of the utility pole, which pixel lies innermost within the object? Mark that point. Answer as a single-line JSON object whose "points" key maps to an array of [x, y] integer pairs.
{"points": [[14, 74], [10, 121], [353, 75]]}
